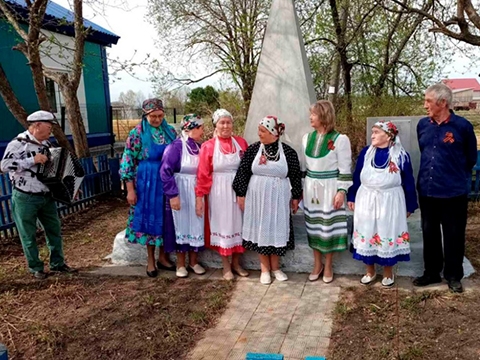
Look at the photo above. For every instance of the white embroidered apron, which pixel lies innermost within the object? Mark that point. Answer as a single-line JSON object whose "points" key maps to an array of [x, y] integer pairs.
{"points": [[225, 214], [188, 226], [380, 218], [267, 203]]}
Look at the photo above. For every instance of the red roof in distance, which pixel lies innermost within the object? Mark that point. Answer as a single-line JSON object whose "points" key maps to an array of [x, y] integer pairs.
{"points": [[455, 84]]}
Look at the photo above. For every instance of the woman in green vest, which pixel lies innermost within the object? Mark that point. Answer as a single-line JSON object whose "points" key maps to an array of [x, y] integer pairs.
{"points": [[328, 159]]}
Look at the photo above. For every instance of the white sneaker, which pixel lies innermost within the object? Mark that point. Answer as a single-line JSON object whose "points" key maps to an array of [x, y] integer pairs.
{"points": [[265, 278], [387, 282], [182, 272], [280, 275], [366, 279]]}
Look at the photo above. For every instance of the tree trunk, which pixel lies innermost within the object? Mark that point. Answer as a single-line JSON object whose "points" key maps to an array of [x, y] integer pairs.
{"points": [[334, 82], [341, 48], [74, 115], [11, 100]]}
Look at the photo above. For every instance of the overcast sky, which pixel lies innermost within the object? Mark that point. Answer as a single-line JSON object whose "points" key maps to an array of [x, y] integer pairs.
{"points": [[137, 34]]}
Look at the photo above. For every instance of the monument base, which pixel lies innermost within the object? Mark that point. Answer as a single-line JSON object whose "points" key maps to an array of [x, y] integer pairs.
{"points": [[298, 260]]}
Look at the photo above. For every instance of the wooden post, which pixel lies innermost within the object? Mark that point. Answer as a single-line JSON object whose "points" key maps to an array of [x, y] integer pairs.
{"points": [[62, 118], [114, 165]]}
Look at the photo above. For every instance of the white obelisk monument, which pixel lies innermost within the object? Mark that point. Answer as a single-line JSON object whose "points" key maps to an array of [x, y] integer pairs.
{"points": [[284, 85]]}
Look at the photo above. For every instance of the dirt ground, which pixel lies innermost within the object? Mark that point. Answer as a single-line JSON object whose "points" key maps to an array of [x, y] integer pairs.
{"points": [[90, 317], [88, 238], [376, 324], [389, 324]]}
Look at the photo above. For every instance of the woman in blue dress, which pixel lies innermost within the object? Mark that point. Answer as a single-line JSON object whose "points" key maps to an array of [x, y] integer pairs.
{"points": [[382, 196], [140, 169]]}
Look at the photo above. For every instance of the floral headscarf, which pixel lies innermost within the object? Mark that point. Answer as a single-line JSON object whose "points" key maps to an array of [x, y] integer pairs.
{"points": [[388, 127], [151, 105], [191, 121], [218, 114], [273, 124], [397, 153]]}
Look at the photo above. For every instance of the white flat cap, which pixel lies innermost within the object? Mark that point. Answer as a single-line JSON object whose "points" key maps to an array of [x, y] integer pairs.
{"points": [[42, 115]]}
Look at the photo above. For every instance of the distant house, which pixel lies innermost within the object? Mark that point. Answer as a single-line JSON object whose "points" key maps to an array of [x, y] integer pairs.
{"points": [[466, 92], [93, 92]]}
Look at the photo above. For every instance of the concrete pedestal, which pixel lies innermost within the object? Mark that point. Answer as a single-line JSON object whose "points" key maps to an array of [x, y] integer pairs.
{"points": [[298, 260]]}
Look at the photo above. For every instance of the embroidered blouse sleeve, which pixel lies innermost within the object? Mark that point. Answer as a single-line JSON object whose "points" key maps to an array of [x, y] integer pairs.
{"points": [[205, 169], [244, 172], [131, 154], [15, 158], [344, 152], [352, 190], [171, 163], [408, 184], [294, 173]]}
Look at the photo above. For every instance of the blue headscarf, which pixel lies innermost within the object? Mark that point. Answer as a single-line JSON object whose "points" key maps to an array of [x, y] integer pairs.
{"points": [[149, 106]]}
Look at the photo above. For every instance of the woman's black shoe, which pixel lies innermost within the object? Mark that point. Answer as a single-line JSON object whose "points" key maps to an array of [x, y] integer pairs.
{"points": [[168, 268], [152, 273]]}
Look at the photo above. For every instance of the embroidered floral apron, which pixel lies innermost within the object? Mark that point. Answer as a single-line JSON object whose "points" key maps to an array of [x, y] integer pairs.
{"points": [[380, 218]]}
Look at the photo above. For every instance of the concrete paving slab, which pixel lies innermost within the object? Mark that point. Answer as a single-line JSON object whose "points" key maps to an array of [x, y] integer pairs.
{"points": [[251, 341]]}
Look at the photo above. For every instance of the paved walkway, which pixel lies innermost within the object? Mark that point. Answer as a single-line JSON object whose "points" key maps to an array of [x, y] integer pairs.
{"points": [[293, 318]]}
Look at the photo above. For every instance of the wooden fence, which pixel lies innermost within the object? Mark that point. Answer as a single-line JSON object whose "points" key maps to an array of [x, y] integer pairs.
{"points": [[101, 177]]}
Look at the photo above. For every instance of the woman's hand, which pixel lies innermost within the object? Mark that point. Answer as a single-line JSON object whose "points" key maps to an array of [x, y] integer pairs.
{"points": [[338, 200], [351, 205], [199, 206], [408, 214], [175, 203], [294, 205], [132, 197], [241, 202]]}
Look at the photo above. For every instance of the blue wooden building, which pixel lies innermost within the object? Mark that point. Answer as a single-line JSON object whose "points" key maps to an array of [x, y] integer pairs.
{"points": [[93, 92]]}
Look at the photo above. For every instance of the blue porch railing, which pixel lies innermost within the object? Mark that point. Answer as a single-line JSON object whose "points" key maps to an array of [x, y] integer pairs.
{"points": [[101, 177]]}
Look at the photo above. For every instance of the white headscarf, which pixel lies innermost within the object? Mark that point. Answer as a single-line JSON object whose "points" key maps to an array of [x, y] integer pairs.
{"points": [[218, 114], [396, 149], [273, 125]]}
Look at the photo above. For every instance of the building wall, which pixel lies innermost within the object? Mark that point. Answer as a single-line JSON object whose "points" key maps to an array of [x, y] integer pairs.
{"points": [[92, 93], [19, 75], [466, 95]]}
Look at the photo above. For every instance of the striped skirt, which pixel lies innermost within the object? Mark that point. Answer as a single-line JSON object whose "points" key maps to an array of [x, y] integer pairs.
{"points": [[326, 227]]}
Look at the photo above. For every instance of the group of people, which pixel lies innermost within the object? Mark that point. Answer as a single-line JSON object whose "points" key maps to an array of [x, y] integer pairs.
{"points": [[230, 196]]}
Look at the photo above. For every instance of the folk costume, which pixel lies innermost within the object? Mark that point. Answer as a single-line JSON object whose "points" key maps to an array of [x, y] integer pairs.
{"points": [[269, 177], [219, 161], [328, 159], [179, 176], [383, 191], [140, 163]]}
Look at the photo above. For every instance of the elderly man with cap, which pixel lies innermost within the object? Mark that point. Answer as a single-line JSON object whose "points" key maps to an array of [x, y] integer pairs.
{"points": [[31, 199]]}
